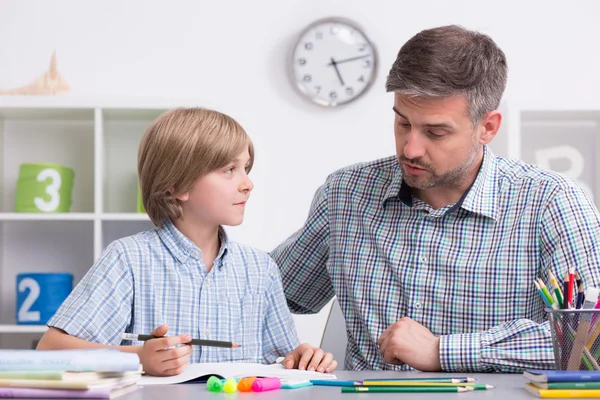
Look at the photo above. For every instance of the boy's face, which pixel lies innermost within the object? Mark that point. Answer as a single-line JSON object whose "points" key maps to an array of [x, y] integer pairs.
{"points": [[219, 197]]}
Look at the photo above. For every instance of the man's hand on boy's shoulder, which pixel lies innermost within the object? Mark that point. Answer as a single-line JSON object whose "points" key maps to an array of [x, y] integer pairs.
{"points": [[310, 358], [159, 358]]}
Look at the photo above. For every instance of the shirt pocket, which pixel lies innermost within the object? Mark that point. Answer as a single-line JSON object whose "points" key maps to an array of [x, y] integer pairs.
{"points": [[246, 316]]}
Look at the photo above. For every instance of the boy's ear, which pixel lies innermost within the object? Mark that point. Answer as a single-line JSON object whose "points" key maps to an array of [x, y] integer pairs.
{"points": [[181, 196]]}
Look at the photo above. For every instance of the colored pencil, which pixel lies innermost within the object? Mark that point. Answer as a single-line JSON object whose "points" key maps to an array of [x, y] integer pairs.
{"points": [[453, 379], [408, 389], [334, 382]]}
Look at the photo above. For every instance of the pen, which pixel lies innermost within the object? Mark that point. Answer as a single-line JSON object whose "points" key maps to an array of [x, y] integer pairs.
{"points": [[199, 342]]}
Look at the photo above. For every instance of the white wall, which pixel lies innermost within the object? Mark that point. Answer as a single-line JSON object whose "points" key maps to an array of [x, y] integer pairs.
{"points": [[231, 55]]}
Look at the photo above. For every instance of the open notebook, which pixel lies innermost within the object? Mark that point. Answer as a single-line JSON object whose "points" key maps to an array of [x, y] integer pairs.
{"points": [[202, 371]]}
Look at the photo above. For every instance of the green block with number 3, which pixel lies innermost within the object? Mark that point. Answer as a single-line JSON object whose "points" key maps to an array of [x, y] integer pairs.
{"points": [[44, 188]]}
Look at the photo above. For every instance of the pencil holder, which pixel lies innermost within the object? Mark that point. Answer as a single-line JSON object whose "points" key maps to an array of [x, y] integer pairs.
{"points": [[39, 295], [575, 338], [44, 188]]}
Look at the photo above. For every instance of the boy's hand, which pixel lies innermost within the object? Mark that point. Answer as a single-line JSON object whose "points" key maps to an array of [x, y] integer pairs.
{"points": [[159, 360], [310, 358]]}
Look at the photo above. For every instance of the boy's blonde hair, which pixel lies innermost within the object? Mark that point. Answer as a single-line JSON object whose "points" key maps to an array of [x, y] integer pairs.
{"points": [[179, 147]]}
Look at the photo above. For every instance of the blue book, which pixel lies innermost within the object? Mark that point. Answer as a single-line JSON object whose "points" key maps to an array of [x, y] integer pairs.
{"points": [[88, 360], [544, 376]]}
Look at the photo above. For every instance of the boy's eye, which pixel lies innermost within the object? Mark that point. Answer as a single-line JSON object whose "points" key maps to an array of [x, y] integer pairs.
{"points": [[247, 168], [229, 170], [406, 126]]}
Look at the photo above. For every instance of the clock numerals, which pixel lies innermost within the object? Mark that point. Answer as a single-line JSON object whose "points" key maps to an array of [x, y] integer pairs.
{"points": [[307, 78], [333, 94], [308, 46], [362, 47], [302, 61], [367, 64], [318, 89], [361, 78], [349, 91]]}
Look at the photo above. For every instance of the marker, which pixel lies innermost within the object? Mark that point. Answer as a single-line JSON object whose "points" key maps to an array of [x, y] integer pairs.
{"points": [[264, 384], [199, 342]]}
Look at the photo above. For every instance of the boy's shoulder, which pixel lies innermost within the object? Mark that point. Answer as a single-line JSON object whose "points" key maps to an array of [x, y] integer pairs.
{"points": [[249, 257], [134, 244]]}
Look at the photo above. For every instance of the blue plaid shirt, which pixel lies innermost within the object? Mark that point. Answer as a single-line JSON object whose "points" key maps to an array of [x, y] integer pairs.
{"points": [[158, 277], [465, 271]]}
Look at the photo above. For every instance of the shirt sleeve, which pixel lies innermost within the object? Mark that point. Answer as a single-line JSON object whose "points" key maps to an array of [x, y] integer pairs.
{"points": [[279, 336], [99, 308], [569, 234], [302, 259]]}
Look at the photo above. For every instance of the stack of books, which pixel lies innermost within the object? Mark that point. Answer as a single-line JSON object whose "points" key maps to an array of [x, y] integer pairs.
{"points": [[96, 374], [563, 384]]}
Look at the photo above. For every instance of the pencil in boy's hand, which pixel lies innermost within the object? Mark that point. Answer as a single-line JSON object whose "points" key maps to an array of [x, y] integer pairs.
{"points": [[199, 342]]}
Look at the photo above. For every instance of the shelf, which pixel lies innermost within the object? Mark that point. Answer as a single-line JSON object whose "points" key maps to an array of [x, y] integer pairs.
{"points": [[125, 217], [46, 217], [73, 217], [23, 328]]}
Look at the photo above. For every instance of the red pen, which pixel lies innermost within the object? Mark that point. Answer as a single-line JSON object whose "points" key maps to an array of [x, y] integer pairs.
{"points": [[571, 283]]}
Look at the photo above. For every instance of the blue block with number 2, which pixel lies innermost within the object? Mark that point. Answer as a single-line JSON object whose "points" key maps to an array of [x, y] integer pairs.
{"points": [[39, 295]]}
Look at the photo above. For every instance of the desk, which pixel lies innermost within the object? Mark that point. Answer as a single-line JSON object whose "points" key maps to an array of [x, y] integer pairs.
{"points": [[507, 387]]}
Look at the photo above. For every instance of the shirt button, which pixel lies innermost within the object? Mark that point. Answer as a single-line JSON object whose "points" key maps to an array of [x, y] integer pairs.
{"points": [[417, 305], [423, 259]]}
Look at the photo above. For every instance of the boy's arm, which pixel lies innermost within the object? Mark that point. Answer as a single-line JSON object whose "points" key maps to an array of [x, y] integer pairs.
{"points": [[302, 260], [99, 308], [57, 339]]}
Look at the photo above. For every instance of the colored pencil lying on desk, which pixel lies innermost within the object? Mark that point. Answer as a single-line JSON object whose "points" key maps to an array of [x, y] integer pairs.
{"points": [[400, 383], [334, 382], [408, 389], [435, 379]]}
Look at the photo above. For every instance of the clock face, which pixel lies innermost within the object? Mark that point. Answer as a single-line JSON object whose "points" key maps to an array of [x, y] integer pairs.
{"points": [[333, 62]]}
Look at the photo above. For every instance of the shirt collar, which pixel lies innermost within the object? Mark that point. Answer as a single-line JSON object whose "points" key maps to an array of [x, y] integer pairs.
{"points": [[182, 248], [480, 198]]}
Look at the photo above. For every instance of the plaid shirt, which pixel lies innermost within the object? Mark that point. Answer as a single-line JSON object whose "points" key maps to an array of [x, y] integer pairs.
{"points": [[158, 277], [465, 271]]}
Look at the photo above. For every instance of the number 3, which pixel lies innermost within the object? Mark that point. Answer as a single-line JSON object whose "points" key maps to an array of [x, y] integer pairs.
{"points": [[34, 292], [51, 189]]}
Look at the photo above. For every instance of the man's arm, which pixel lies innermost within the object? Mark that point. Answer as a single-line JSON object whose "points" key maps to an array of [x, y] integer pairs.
{"points": [[302, 260], [569, 234]]}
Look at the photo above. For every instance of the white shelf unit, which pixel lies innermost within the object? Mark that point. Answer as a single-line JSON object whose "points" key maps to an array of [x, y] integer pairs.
{"points": [[99, 140]]}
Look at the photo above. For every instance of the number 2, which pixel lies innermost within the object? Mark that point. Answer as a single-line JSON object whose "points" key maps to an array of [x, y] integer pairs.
{"points": [[34, 293], [52, 189]]}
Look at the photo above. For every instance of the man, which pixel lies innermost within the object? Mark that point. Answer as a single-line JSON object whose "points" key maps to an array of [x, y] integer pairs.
{"points": [[432, 253]]}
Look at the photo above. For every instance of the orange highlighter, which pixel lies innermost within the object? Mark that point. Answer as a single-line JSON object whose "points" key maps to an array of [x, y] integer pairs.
{"points": [[245, 384], [264, 384]]}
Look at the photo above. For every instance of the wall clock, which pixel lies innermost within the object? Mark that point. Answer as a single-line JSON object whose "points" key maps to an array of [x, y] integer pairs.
{"points": [[333, 62]]}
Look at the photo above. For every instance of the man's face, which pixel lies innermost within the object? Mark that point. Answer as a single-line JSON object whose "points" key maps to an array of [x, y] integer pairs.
{"points": [[436, 143]]}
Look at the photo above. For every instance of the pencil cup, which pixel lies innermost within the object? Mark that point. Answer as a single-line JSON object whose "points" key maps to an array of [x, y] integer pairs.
{"points": [[44, 188], [575, 338], [39, 295]]}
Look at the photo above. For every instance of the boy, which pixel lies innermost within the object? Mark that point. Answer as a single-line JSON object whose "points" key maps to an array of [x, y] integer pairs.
{"points": [[185, 275]]}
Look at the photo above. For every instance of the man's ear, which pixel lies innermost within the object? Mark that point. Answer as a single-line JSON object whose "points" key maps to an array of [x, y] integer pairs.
{"points": [[490, 124]]}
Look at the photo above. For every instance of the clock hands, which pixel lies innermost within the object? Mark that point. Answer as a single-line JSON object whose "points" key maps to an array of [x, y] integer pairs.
{"points": [[333, 62], [337, 71]]}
